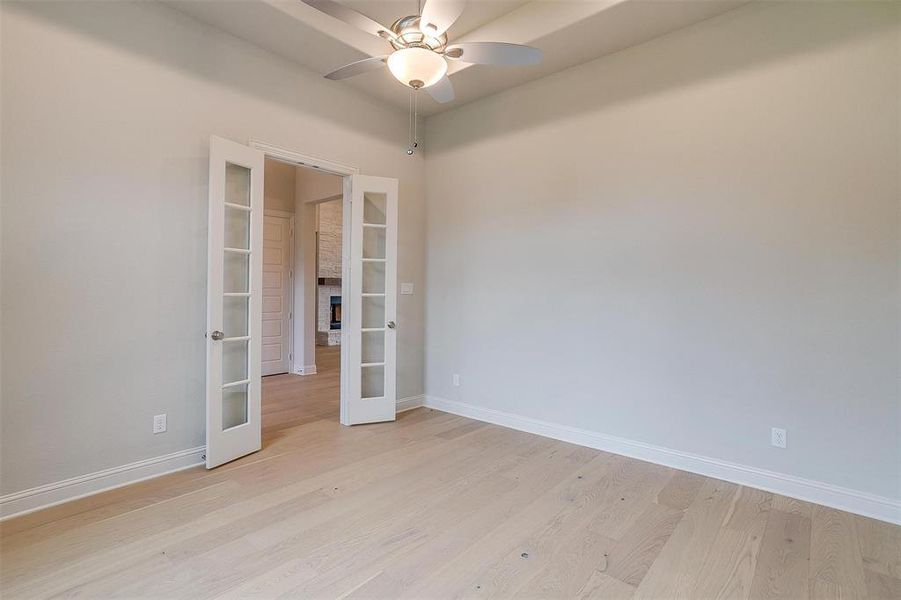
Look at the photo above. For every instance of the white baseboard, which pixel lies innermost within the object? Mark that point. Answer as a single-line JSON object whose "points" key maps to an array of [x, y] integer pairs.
{"points": [[410, 402], [304, 369], [861, 503], [44, 496], [51, 494]]}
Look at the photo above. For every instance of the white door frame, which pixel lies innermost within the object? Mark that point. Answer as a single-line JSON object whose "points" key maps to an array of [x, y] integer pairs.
{"points": [[344, 171], [274, 212]]}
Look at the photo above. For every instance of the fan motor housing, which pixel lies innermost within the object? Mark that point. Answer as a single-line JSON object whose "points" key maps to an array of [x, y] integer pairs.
{"points": [[409, 35]]}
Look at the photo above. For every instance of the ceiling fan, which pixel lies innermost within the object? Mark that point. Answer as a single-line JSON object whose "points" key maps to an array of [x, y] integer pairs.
{"points": [[419, 48]]}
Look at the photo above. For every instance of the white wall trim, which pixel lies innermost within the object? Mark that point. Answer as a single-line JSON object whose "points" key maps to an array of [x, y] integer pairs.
{"points": [[302, 159], [861, 503], [410, 402], [304, 369], [275, 212], [51, 494]]}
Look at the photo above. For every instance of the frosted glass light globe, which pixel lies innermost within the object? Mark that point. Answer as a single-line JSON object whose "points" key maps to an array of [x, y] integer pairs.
{"points": [[417, 67]]}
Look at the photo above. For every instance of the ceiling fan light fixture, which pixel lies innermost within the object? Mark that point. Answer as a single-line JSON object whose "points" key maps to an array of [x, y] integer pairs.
{"points": [[417, 67]]}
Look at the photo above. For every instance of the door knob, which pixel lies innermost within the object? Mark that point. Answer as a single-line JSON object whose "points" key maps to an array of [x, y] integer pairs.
{"points": [[217, 335], [391, 325]]}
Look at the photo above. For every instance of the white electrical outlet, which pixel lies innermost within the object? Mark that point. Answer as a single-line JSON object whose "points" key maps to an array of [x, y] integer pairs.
{"points": [[406, 289], [777, 437], [456, 380], [159, 423]]}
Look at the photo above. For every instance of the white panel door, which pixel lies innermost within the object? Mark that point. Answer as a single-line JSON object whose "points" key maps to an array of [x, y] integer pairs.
{"points": [[234, 301], [277, 248], [370, 337]]}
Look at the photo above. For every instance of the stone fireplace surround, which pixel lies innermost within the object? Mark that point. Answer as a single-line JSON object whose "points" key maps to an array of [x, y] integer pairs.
{"points": [[325, 335], [329, 223]]}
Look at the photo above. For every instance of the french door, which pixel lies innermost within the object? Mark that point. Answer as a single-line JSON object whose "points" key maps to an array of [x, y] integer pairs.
{"points": [[234, 301], [370, 291]]}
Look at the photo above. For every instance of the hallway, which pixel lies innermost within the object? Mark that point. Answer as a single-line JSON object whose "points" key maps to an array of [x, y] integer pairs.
{"points": [[292, 400]]}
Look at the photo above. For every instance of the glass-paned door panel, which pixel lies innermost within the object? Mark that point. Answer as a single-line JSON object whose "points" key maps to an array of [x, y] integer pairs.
{"points": [[235, 357], [234, 296], [237, 227], [235, 316], [234, 406], [373, 382], [375, 208], [371, 317], [374, 241], [372, 347], [237, 184], [373, 312], [374, 273], [236, 272]]}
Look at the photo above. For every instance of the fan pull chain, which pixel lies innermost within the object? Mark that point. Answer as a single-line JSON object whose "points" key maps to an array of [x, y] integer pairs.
{"points": [[414, 114]]}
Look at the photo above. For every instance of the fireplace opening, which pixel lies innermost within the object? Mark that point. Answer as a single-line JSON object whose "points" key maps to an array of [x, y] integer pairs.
{"points": [[335, 322]]}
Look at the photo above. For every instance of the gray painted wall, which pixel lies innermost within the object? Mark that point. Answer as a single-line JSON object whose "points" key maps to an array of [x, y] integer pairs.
{"points": [[107, 109], [686, 243]]}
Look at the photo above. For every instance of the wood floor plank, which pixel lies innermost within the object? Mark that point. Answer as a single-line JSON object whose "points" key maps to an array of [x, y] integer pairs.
{"points": [[880, 546], [572, 567], [634, 554], [678, 567], [681, 490], [792, 506], [783, 561], [601, 586], [731, 560], [496, 561], [544, 469], [835, 560], [881, 586]]}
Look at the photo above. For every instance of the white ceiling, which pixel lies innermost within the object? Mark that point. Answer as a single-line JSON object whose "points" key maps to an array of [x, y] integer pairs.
{"points": [[569, 32]]}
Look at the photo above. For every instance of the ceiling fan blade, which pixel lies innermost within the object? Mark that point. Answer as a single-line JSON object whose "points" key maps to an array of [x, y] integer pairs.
{"points": [[494, 53], [443, 91], [357, 67], [439, 15], [351, 17]]}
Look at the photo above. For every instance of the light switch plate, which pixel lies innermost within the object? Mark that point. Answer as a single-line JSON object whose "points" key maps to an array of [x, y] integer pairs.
{"points": [[406, 289]]}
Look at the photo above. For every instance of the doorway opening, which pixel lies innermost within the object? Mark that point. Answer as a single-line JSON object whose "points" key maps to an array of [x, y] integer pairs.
{"points": [[238, 250], [302, 294]]}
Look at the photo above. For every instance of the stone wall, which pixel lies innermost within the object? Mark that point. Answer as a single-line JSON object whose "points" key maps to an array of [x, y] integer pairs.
{"points": [[329, 267], [330, 217]]}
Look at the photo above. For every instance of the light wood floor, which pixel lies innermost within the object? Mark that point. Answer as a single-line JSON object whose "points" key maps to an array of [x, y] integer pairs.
{"points": [[438, 506]]}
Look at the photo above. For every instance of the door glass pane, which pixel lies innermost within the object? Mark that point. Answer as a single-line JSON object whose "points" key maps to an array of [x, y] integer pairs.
{"points": [[234, 406], [373, 382], [374, 242], [236, 272], [234, 316], [237, 184], [374, 207], [372, 346], [234, 361], [373, 277], [237, 228], [373, 311]]}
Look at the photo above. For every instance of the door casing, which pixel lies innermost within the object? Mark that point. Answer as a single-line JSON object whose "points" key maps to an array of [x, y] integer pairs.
{"points": [[343, 171]]}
